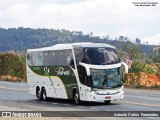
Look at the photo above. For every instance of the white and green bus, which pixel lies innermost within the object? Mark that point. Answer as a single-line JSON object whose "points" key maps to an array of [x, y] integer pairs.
{"points": [[78, 71]]}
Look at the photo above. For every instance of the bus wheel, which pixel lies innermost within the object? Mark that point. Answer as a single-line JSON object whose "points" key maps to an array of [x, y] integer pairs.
{"points": [[76, 98], [107, 102], [38, 94], [44, 95]]}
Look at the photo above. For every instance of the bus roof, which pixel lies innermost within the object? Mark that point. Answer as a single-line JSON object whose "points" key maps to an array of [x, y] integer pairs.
{"points": [[70, 46]]}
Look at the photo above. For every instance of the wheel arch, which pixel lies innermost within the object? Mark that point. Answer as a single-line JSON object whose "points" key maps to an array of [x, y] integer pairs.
{"points": [[37, 88], [73, 92]]}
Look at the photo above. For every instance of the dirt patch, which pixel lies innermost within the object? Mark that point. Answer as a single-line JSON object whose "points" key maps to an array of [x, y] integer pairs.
{"points": [[11, 78], [142, 79]]}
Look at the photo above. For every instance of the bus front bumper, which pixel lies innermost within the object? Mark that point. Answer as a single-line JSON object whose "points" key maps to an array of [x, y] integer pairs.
{"points": [[100, 97]]}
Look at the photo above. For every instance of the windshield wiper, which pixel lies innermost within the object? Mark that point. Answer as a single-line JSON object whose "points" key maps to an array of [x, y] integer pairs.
{"points": [[108, 63], [99, 87], [108, 87]]}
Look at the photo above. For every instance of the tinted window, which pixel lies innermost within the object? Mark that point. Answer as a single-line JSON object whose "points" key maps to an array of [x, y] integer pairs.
{"points": [[35, 59], [65, 57], [69, 57], [46, 58], [62, 58], [84, 79], [100, 56], [111, 56], [58, 58], [79, 55], [50, 58], [53, 58]]}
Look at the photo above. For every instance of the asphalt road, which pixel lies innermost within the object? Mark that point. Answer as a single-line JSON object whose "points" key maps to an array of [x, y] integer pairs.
{"points": [[14, 97]]}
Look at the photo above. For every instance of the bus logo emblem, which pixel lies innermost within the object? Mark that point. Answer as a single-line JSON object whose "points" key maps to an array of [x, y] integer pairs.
{"points": [[61, 71], [46, 71]]}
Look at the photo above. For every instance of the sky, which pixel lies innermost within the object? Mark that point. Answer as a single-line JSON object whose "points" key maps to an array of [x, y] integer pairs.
{"points": [[112, 18]]}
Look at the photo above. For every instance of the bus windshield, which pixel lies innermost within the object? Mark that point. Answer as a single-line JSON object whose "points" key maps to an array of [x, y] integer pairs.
{"points": [[100, 56], [106, 78]]}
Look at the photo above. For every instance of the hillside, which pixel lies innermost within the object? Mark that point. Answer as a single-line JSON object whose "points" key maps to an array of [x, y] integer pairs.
{"points": [[24, 38]]}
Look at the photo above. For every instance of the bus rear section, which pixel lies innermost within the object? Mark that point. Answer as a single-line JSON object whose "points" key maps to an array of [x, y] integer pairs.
{"points": [[50, 73]]}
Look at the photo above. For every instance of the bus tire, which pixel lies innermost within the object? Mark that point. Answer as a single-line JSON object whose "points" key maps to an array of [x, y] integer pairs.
{"points": [[76, 97], [44, 94], [107, 102], [38, 93]]}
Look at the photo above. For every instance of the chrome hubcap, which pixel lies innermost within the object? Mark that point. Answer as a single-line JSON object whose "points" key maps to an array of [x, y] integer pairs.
{"points": [[44, 95], [39, 94], [76, 98]]}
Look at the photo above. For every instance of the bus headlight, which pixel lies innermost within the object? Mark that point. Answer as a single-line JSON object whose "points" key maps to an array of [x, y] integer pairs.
{"points": [[93, 92]]}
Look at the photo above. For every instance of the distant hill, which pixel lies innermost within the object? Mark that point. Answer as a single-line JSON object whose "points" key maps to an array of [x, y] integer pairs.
{"points": [[21, 39]]}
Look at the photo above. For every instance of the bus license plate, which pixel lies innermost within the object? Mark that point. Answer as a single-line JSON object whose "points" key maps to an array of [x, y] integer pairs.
{"points": [[108, 97]]}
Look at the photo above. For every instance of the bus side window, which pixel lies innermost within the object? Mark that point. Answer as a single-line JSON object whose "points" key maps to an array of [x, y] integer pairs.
{"points": [[70, 60], [82, 74], [32, 59], [53, 58], [39, 59], [46, 58], [72, 64], [62, 59], [28, 56], [29, 59], [84, 79], [78, 55]]}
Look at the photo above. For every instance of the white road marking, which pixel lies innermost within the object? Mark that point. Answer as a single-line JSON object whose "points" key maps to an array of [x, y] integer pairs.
{"points": [[54, 103], [143, 104], [143, 92], [10, 83], [151, 117], [14, 98], [80, 107], [10, 88], [66, 105], [43, 102], [143, 97], [92, 108], [107, 110], [17, 99], [3, 97]]}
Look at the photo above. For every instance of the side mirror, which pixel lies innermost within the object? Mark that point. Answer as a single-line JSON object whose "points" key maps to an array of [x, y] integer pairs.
{"points": [[86, 67], [125, 67]]}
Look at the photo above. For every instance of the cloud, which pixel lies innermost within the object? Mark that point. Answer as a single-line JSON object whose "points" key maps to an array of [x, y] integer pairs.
{"points": [[110, 17], [153, 40]]}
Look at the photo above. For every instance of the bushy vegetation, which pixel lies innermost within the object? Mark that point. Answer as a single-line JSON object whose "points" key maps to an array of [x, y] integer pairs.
{"points": [[13, 65], [142, 66]]}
